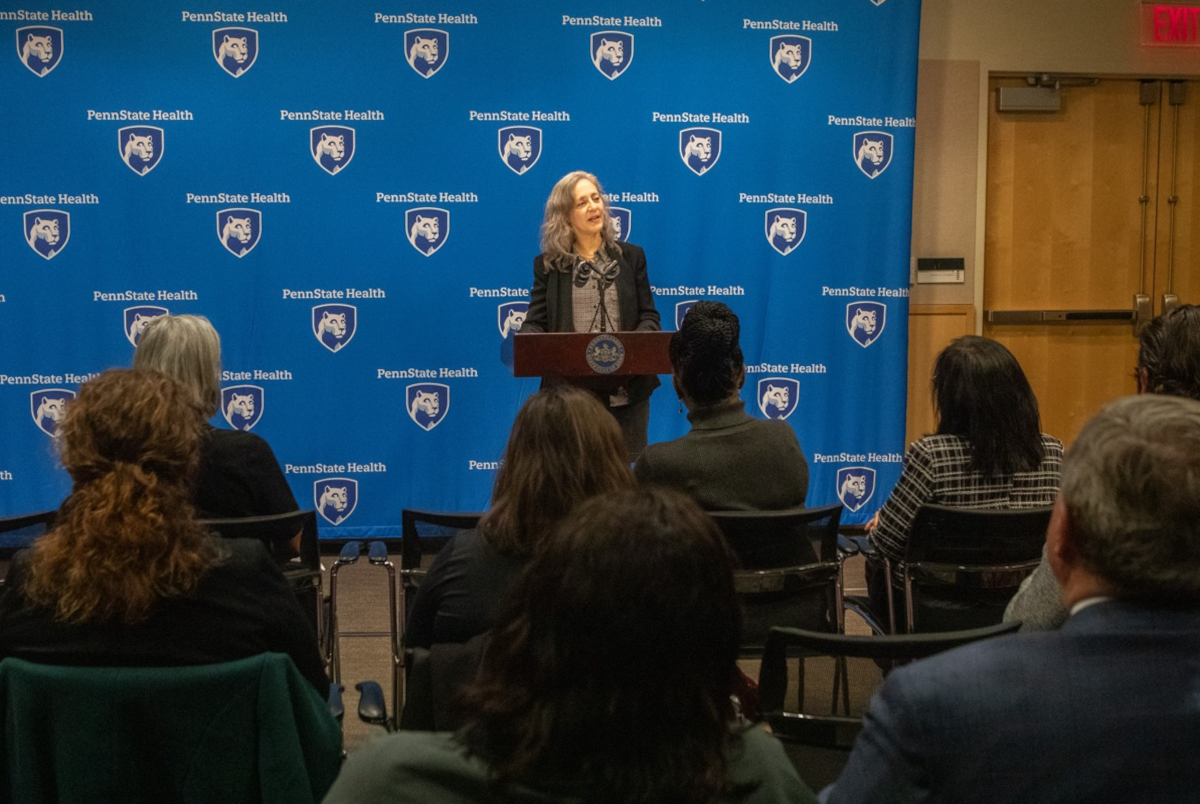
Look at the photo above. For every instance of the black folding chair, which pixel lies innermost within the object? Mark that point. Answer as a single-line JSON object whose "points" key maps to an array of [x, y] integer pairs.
{"points": [[819, 737], [791, 572], [423, 535], [18, 532]]}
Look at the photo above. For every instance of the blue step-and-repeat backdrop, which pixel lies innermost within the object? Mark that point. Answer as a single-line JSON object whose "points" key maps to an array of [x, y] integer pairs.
{"points": [[352, 192]]}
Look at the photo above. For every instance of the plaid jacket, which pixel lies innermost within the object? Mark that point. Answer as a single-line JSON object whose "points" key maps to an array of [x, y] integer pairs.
{"points": [[937, 469]]}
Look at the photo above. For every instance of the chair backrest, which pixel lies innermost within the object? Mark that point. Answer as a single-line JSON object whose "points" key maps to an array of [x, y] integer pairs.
{"points": [[275, 531], [243, 731], [849, 668], [772, 539], [433, 679], [18, 532], [424, 533], [978, 537], [789, 571]]}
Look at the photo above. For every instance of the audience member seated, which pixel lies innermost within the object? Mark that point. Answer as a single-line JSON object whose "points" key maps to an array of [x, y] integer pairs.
{"points": [[239, 475], [1168, 363], [1104, 709], [127, 577], [607, 679], [988, 451], [729, 461], [564, 448]]}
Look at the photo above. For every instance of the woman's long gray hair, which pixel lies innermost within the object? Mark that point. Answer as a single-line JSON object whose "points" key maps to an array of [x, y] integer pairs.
{"points": [[558, 238]]}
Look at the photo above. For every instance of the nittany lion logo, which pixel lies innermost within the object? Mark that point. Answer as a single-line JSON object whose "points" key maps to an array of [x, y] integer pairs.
{"points": [[612, 52], [141, 147], [428, 228], [872, 152], [785, 228], [332, 147], [790, 56], [865, 321], [47, 231], [239, 230], [428, 403], [520, 147], [334, 325], [242, 405], [700, 148], [622, 222], [681, 310], [778, 396], [510, 316], [855, 486], [48, 406], [40, 48], [426, 50], [235, 49], [136, 319], [335, 498]]}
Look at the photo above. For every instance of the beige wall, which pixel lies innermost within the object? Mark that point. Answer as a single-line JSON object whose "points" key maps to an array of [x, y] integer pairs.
{"points": [[962, 42]]}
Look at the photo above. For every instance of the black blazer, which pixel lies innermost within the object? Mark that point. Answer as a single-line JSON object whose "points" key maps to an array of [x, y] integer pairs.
{"points": [[551, 308]]}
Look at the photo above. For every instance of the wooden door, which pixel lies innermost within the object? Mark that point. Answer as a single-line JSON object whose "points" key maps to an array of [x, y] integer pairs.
{"points": [[1178, 246], [1064, 231]]}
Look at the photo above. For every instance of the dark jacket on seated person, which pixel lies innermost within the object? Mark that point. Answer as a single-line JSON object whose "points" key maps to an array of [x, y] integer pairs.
{"points": [[460, 596], [731, 461], [239, 476], [241, 608]]}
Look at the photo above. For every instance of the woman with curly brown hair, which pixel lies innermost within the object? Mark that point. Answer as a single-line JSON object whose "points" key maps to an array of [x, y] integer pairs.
{"points": [[607, 679], [128, 577]]}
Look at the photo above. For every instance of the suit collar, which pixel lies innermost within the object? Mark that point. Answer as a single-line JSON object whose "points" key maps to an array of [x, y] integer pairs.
{"points": [[1115, 615]]}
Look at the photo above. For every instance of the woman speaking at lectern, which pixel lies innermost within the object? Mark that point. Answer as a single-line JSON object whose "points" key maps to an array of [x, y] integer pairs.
{"points": [[586, 281]]}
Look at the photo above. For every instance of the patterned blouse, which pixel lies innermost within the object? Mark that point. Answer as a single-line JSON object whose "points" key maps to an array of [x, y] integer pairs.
{"points": [[937, 469], [585, 294]]}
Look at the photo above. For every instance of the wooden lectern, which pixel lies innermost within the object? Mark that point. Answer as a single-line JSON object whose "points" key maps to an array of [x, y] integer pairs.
{"points": [[600, 361]]}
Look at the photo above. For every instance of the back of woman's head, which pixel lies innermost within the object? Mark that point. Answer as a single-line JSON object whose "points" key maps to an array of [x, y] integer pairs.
{"points": [[1169, 353], [706, 354], [983, 396], [188, 350], [612, 664], [564, 447], [126, 535]]}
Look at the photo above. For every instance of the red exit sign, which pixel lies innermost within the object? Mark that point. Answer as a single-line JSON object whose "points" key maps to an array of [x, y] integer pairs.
{"points": [[1170, 24]]}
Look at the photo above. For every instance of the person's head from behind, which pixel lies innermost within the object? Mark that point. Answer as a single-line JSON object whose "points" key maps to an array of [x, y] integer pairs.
{"points": [[564, 447], [612, 665], [188, 350], [706, 356], [1169, 354], [1127, 519], [982, 395], [126, 535]]}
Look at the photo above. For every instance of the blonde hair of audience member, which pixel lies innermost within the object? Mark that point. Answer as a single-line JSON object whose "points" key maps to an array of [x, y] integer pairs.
{"points": [[188, 350], [126, 537], [564, 447]]}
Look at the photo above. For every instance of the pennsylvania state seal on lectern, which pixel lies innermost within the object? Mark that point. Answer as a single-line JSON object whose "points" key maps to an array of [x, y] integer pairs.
{"points": [[605, 354]]}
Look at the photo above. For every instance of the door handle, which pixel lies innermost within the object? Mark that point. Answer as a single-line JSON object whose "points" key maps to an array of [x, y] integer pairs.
{"points": [[1139, 316]]}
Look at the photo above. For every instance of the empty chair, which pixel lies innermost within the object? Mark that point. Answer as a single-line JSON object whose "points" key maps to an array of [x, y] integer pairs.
{"points": [[822, 725], [17, 532]]}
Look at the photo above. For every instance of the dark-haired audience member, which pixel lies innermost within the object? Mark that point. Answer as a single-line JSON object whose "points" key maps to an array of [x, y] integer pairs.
{"points": [[607, 680], [127, 577], [1104, 709], [239, 475], [988, 451], [729, 461], [564, 447], [1168, 363]]}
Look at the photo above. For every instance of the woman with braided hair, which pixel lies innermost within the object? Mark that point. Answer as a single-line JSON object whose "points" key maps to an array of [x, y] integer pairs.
{"points": [[128, 576], [730, 461]]}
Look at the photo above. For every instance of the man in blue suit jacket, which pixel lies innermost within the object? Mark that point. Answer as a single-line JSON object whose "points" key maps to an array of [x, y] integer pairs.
{"points": [[1107, 708]]}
